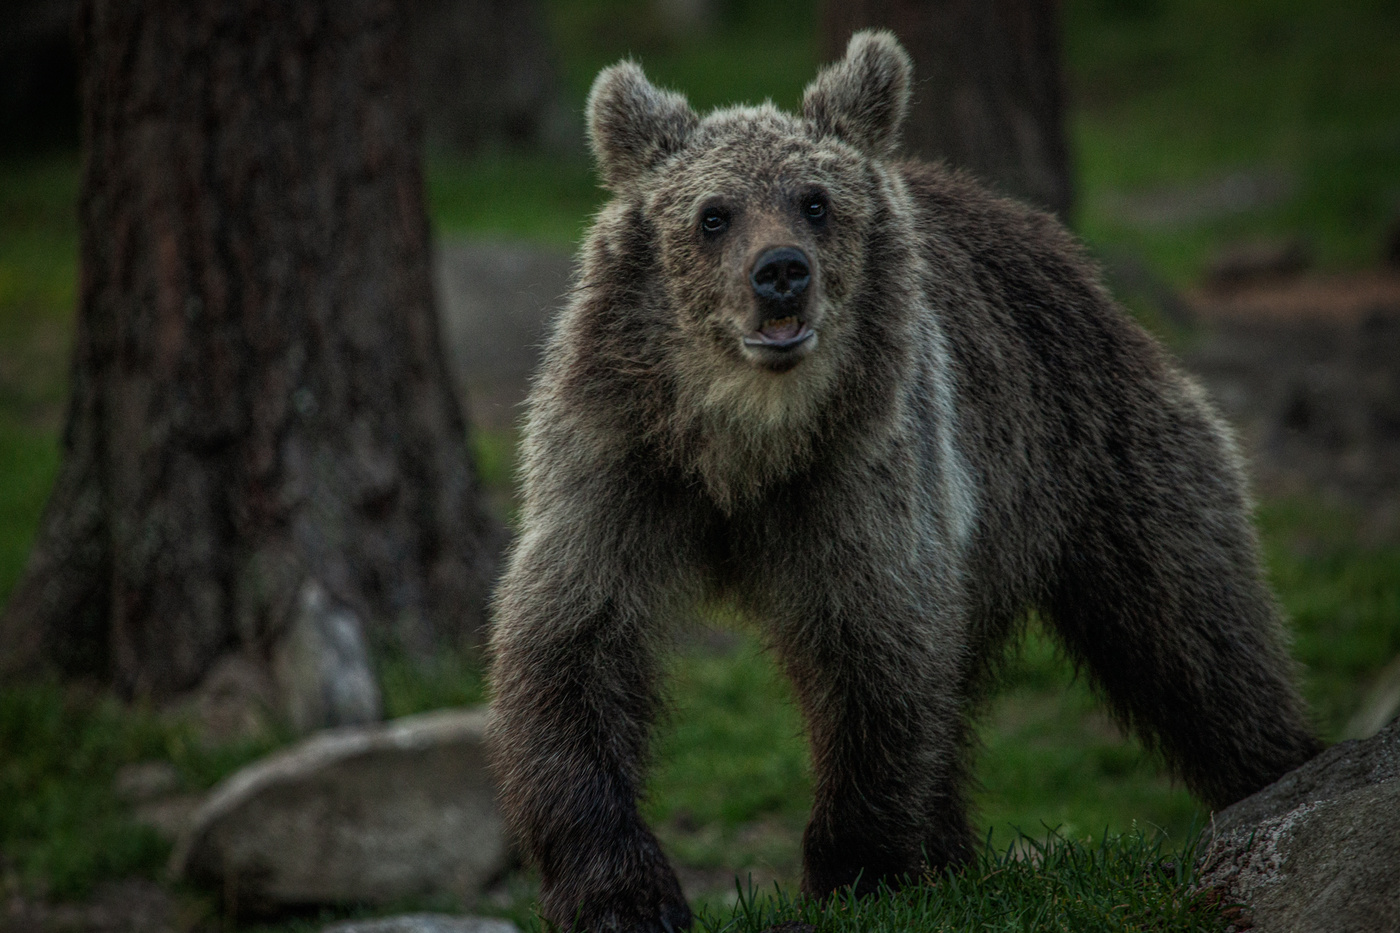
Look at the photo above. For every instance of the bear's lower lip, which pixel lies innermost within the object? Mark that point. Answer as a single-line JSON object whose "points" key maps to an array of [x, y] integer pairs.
{"points": [[779, 334]]}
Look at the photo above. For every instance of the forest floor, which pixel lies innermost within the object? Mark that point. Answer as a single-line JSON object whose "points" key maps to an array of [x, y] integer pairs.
{"points": [[1308, 369]]}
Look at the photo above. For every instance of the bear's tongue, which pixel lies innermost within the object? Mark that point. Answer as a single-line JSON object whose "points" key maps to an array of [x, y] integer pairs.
{"points": [[782, 328]]}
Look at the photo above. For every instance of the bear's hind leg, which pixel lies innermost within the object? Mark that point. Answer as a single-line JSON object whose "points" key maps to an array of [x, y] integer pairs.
{"points": [[1163, 602]]}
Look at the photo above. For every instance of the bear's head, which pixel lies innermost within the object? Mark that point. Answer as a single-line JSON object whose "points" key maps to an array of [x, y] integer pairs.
{"points": [[760, 222]]}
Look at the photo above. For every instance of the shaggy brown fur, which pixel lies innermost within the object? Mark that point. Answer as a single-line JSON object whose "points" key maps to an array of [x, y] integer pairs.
{"points": [[884, 413]]}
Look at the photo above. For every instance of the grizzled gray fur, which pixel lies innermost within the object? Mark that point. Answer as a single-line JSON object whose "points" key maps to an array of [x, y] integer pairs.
{"points": [[883, 413]]}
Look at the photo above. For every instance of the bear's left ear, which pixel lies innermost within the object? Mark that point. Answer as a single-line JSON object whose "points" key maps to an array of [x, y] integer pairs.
{"points": [[863, 98], [632, 125]]}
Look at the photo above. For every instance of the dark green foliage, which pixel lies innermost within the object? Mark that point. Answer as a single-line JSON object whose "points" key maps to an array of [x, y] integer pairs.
{"points": [[38, 243], [522, 195], [1183, 92], [757, 49], [1343, 596], [412, 685], [62, 827]]}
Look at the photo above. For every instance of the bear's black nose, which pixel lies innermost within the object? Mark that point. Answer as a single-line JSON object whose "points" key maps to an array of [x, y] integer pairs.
{"points": [[781, 274]]}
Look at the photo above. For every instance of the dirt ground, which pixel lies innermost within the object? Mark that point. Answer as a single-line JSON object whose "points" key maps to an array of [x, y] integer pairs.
{"points": [[1308, 369], [131, 906]]}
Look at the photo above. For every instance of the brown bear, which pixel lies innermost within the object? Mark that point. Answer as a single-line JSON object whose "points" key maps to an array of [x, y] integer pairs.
{"points": [[884, 414]]}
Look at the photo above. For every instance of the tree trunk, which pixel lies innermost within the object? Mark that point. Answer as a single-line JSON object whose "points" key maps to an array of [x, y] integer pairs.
{"points": [[989, 91], [486, 77], [262, 456], [38, 76]]}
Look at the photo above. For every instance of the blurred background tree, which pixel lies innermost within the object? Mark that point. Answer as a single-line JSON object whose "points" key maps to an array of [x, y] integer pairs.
{"points": [[262, 456], [38, 76], [989, 92], [486, 77]]}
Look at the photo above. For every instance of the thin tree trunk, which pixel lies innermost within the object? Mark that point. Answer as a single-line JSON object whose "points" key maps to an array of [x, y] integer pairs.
{"points": [[263, 454], [989, 92]]}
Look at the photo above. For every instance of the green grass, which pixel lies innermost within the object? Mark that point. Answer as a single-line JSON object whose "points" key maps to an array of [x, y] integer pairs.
{"points": [[731, 787], [1343, 598], [38, 276], [1053, 760], [62, 827], [1115, 884], [517, 196], [409, 686], [1174, 93]]}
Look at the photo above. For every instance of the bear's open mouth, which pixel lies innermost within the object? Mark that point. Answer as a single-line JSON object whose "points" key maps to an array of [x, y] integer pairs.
{"points": [[779, 333]]}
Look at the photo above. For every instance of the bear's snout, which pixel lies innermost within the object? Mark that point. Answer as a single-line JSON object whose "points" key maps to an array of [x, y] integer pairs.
{"points": [[782, 333], [781, 275]]}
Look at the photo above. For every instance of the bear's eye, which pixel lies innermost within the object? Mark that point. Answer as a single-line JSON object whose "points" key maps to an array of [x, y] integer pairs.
{"points": [[815, 209], [714, 220]]}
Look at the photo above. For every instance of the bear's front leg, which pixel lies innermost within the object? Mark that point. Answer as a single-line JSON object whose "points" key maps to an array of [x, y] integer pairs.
{"points": [[575, 693], [880, 671], [571, 720], [888, 756]]}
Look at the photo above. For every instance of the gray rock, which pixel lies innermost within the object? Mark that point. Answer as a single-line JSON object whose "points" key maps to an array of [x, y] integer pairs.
{"points": [[357, 815], [321, 664], [1319, 849], [143, 781], [1345, 767], [171, 817], [425, 923]]}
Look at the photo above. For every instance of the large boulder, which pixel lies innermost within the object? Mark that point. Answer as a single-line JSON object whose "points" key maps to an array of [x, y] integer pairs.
{"points": [[1319, 849], [365, 815]]}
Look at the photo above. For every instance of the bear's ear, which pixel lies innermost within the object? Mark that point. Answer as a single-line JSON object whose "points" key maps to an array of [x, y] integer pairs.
{"points": [[633, 126], [862, 99]]}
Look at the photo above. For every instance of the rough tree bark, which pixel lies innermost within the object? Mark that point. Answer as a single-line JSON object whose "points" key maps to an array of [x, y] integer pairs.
{"points": [[989, 94], [262, 454]]}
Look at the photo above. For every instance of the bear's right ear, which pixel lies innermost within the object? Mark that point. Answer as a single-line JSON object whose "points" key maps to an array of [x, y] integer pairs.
{"points": [[633, 126], [863, 98]]}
